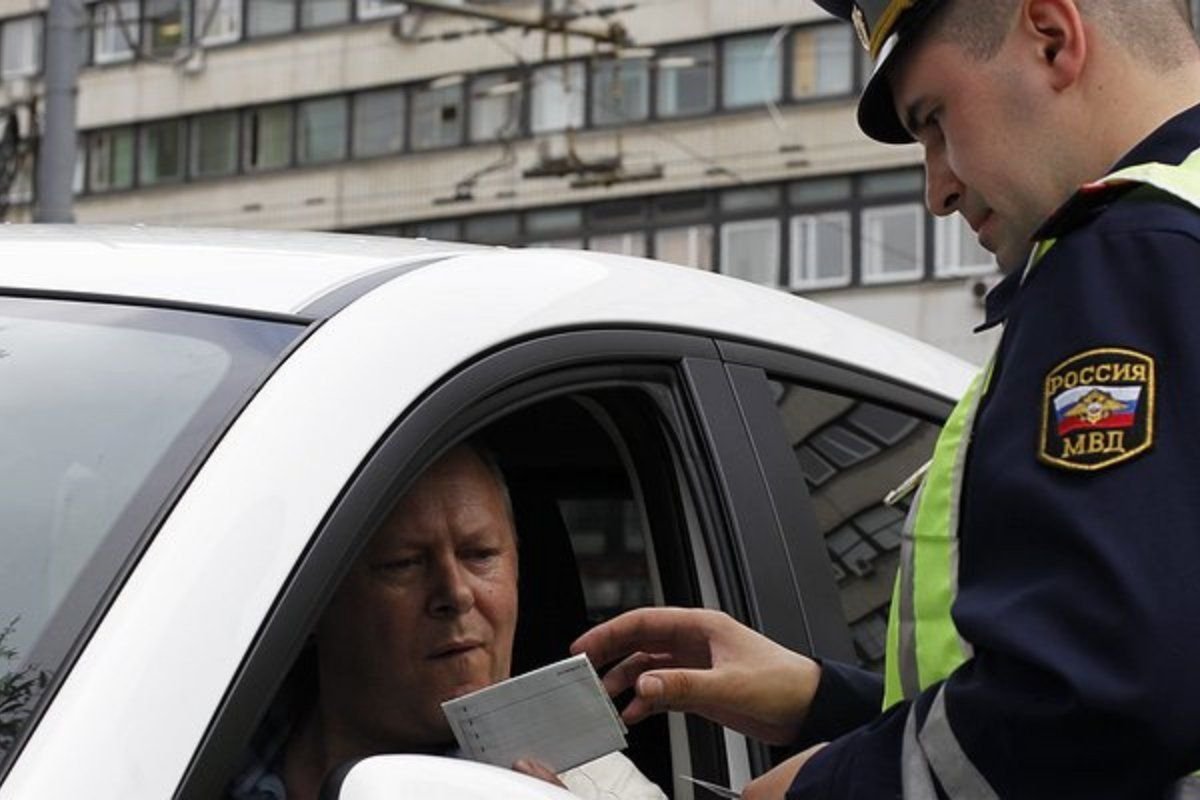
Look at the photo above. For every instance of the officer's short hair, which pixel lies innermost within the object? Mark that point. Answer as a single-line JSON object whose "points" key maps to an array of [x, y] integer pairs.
{"points": [[1152, 30]]}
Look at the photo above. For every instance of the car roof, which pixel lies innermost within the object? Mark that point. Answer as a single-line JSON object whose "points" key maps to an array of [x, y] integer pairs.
{"points": [[313, 275]]}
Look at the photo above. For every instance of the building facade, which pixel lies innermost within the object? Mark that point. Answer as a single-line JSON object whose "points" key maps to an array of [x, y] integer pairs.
{"points": [[718, 135]]}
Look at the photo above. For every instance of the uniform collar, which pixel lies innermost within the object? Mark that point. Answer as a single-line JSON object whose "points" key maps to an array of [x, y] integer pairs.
{"points": [[1171, 143]]}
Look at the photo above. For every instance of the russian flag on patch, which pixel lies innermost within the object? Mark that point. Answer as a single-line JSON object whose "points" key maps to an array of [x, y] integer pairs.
{"points": [[1097, 407]]}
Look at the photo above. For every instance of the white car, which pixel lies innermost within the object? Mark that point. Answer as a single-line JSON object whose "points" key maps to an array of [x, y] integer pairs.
{"points": [[198, 430]]}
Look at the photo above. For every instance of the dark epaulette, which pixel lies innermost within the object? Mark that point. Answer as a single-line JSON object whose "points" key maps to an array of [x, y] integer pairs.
{"points": [[1085, 205]]}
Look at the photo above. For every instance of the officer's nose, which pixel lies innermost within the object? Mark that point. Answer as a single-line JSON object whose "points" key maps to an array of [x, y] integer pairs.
{"points": [[450, 593], [943, 189]]}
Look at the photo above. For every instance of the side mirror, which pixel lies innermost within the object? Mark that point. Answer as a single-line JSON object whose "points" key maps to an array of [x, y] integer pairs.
{"points": [[434, 778]]}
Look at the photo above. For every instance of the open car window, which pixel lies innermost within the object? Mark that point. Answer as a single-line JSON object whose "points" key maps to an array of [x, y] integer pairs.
{"points": [[600, 468]]}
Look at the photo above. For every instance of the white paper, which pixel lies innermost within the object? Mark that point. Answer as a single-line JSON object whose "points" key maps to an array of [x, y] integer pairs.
{"points": [[558, 714]]}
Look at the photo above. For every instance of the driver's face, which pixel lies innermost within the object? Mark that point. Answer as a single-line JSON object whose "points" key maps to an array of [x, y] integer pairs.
{"points": [[428, 611]]}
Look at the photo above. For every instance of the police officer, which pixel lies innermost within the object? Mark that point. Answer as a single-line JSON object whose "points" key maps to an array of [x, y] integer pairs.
{"points": [[1044, 638]]}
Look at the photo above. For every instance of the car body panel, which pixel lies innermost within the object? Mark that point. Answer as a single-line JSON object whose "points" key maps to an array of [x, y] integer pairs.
{"points": [[128, 717]]}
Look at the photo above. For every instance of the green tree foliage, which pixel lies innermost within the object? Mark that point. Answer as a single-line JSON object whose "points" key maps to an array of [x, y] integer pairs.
{"points": [[19, 690]]}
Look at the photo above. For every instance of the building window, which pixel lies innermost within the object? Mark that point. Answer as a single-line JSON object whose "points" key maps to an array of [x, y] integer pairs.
{"points": [[754, 198], [686, 80], [687, 245], [495, 107], [554, 223], [379, 122], [270, 17], [21, 47], [267, 143], [822, 61], [110, 160], [214, 145], [161, 153], [620, 91], [320, 13], [557, 98], [79, 169], [442, 230], [219, 21], [820, 250], [752, 72], [115, 32], [494, 229], [893, 243], [957, 250], [624, 244], [821, 191], [165, 26], [20, 191], [750, 250], [373, 9], [322, 132], [437, 119]]}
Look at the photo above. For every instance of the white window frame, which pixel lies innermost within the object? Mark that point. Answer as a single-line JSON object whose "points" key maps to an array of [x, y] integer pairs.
{"points": [[763, 224], [109, 44], [948, 233], [32, 39], [226, 22], [872, 269], [619, 73], [824, 37], [397, 135], [630, 243], [696, 244], [802, 264], [767, 70], [378, 9], [480, 100], [568, 96]]}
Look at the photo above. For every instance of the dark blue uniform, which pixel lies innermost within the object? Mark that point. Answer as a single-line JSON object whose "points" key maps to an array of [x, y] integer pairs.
{"points": [[1079, 585]]}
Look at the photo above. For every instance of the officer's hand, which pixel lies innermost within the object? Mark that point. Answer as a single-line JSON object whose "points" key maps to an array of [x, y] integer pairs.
{"points": [[773, 784], [706, 663]]}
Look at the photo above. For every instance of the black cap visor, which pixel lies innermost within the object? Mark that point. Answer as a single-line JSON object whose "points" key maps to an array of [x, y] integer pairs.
{"points": [[877, 115]]}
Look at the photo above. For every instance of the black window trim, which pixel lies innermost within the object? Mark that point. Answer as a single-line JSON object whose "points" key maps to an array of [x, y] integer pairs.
{"points": [[479, 393]]}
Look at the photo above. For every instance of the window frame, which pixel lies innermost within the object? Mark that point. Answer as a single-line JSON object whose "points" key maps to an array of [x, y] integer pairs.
{"points": [[797, 281], [485, 391], [947, 260], [771, 225], [35, 65], [878, 275], [111, 27]]}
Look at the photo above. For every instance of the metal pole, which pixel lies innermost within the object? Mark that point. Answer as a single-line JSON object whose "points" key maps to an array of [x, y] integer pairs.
{"points": [[53, 196]]}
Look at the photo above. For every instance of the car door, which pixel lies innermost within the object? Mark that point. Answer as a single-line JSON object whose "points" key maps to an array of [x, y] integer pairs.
{"points": [[832, 443]]}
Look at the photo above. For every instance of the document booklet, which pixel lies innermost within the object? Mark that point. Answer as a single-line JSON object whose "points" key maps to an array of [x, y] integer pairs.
{"points": [[559, 715]]}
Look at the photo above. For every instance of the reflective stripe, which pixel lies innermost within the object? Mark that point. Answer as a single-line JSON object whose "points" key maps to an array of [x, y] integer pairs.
{"points": [[909, 669], [954, 770], [1182, 181], [923, 645], [936, 751], [915, 779]]}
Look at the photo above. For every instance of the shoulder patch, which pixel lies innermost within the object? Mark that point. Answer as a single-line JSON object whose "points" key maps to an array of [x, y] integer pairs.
{"points": [[1098, 409]]}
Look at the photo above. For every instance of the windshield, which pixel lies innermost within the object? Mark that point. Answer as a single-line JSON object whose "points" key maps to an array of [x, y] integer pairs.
{"points": [[104, 410]]}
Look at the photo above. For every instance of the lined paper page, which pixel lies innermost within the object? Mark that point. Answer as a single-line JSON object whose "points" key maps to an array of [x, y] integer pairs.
{"points": [[558, 714]]}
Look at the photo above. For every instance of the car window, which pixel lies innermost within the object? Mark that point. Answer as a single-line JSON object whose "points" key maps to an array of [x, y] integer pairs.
{"points": [[599, 531], [103, 410], [852, 453]]}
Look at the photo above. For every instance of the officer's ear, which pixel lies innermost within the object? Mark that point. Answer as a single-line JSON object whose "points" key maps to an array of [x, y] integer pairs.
{"points": [[1058, 40]]}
